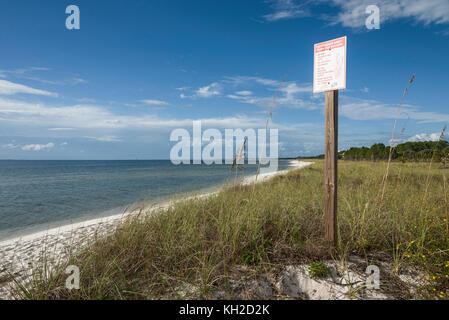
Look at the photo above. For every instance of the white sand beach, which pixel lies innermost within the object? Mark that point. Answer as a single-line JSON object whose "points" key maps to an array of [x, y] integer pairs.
{"points": [[294, 164], [18, 256]]}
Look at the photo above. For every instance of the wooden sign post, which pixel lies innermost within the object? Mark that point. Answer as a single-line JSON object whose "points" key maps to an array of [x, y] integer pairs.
{"points": [[330, 167], [329, 76]]}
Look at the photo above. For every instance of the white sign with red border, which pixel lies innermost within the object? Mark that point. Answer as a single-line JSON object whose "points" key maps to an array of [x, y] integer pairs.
{"points": [[329, 68]]}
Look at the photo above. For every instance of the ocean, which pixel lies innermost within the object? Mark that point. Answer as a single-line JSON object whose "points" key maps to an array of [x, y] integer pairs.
{"points": [[37, 195]]}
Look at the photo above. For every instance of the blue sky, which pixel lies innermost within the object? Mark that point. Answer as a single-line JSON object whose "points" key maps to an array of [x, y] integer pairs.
{"points": [[136, 70]]}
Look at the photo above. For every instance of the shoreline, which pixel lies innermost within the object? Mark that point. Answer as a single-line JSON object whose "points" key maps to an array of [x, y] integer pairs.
{"points": [[20, 254], [161, 204]]}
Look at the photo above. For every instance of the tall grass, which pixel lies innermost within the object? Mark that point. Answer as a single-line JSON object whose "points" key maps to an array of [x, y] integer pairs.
{"points": [[392, 142], [200, 243]]}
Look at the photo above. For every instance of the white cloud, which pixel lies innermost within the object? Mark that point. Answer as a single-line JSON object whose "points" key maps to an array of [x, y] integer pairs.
{"points": [[22, 71], [291, 95], [86, 100], [293, 88], [105, 139], [78, 81], [429, 11], [300, 96], [88, 117], [242, 80], [351, 13], [287, 101], [244, 93], [64, 144], [60, 129], [365, 90], [360, 109], [10, 146], [208, 91], [214, 89], [38, 147], [28, 74], [425, 137], [10, 88], [155, 102], [286, 9]]}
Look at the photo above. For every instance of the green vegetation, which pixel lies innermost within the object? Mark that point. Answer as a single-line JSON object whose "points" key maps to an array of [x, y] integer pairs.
{"points": [[318, 270], [409, 151], [201, 242], [437, 151]]}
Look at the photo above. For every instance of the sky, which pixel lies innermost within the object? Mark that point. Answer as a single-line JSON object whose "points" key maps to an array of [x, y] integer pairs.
{"points": [[137, 70]]}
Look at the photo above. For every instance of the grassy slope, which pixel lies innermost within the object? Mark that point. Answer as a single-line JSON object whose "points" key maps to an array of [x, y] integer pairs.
{"points": [[267, 225]]}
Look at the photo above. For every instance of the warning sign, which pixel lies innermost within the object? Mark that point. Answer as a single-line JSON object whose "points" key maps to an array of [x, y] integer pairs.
{"points": [[329, 71]]}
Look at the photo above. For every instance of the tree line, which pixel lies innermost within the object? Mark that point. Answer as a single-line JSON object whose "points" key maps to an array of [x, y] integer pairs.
{"points": [[437, 151]]}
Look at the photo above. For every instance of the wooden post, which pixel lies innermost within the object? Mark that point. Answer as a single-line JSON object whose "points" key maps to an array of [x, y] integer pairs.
{"points": [[330, 169]]}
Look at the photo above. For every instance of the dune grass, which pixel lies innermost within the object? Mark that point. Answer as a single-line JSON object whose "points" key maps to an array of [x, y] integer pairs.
{"points": [[199, 242]]}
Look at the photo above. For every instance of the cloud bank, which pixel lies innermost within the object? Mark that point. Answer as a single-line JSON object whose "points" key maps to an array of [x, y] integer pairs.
{"points": [[351, 13]]}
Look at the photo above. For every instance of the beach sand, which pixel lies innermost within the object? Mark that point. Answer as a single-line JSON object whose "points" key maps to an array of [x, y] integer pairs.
{"points": [[294, 164], [19, 256]]}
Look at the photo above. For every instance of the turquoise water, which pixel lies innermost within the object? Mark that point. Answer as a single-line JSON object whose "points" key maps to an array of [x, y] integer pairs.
{"points": [[36, 195]]}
